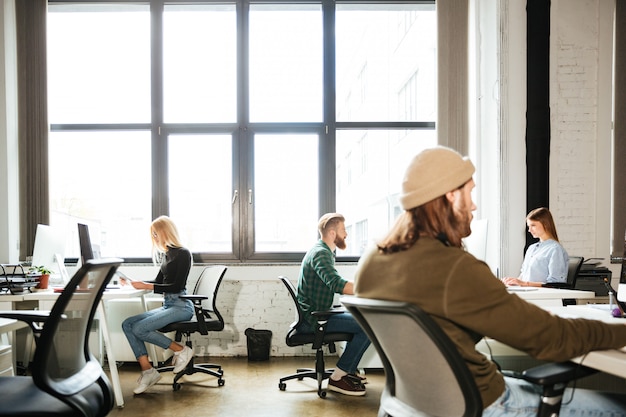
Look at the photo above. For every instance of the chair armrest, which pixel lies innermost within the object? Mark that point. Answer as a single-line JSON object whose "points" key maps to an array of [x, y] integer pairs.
{"points": [[556, 373], [32, 317], [194, 297], [322, 317], [27, 316]]}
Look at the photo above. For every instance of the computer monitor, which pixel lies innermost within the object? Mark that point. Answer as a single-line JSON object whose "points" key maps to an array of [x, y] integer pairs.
{"points": [[49, 249], [86, 250]]}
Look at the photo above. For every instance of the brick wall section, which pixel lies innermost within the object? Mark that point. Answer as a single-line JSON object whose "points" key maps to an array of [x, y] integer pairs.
{"points": [[260, 305], [574, 117]]}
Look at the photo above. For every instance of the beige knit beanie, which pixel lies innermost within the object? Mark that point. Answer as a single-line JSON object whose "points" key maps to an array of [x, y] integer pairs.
{"points": [[432, 173]]}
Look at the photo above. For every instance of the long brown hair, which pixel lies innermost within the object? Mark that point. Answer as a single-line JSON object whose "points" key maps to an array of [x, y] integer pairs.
{"points": [[435, 219], [543, 216]]}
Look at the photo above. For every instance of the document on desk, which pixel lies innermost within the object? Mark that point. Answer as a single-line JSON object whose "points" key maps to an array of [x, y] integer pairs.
{"points": [[521, 289], [124, 276]]}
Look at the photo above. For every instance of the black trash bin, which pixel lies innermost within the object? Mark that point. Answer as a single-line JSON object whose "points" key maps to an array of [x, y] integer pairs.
{"points": [[259, 343]]}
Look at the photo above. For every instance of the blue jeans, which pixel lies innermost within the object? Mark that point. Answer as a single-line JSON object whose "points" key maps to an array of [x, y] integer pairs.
{"points": [[355, 348], [521, 398], [144, 327]]}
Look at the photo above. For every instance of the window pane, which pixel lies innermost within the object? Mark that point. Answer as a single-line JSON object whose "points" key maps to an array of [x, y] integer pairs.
{"points": [[200, 190], [386, 63], [370, 168], [285, 63], [98, 64], [102, 179], [286, 192], [200, 64]]}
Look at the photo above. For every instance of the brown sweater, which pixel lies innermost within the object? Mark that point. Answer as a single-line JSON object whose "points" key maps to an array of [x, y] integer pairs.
{"points": [[469, 302]]}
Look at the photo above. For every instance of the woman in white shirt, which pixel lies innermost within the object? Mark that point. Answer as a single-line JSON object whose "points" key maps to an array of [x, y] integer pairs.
{"points": [[545, 261]]}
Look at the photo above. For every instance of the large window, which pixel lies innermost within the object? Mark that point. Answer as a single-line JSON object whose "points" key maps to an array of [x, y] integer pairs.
{"points": [[242, 120]]}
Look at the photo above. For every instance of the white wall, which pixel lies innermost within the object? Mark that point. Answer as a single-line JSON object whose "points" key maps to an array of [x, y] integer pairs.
{"points": [[581, 105], [9, 225], [581, 42]]}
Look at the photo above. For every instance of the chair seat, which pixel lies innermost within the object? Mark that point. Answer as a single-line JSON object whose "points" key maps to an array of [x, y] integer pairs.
{"points": [[191, 326], [28, 400], [301, 338]]}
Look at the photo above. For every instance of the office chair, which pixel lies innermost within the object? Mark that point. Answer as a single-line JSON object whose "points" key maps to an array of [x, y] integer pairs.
{"points": [[66, 379], [207, 319], [573, 268], [426, 375], [317, 340]]}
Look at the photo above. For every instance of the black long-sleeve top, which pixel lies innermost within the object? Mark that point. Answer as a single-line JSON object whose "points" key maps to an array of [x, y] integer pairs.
{"points": [[172, 277]]}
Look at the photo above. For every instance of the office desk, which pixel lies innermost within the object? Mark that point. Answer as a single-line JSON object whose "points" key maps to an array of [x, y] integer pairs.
{"points": [[7, 301], [549, 297], [609, 361], [46, 300]]}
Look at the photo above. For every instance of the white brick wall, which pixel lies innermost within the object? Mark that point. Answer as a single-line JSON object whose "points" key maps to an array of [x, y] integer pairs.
{"points": [[260, 305], [574, 108], [252, 296]]}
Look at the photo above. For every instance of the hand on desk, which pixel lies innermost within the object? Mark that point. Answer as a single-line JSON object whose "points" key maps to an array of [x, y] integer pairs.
{"points": [[512, 281], [138, 285]]}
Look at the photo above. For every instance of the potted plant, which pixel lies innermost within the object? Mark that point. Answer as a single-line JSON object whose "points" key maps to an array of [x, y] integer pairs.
{"points": [[44, 276]]}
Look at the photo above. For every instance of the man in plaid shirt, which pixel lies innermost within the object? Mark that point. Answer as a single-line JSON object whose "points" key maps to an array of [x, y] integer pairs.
{"points": [[317, 284]]}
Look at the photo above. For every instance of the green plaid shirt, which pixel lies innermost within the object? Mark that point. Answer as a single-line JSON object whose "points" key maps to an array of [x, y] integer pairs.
{"points": [[318, 281]]}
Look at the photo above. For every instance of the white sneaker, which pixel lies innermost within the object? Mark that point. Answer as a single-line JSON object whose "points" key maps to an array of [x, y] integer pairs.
{"points": [[146, 380], [182, 358]]}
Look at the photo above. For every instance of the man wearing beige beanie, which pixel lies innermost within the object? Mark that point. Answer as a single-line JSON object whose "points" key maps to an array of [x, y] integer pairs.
{"points": [[422, 261]]}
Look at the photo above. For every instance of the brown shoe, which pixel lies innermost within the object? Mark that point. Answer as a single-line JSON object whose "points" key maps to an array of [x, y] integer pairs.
{"points": [[362, 379], [346, 385]]}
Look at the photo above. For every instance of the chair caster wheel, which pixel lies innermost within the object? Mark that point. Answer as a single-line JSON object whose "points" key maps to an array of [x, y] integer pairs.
{"points": [[282, 386], [176, 386], [322, 394], [221, 382]]}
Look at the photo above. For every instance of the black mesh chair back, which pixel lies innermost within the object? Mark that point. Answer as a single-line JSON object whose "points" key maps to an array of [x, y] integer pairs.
{"points": [[66, 379], [425, 375], [573, 268]]}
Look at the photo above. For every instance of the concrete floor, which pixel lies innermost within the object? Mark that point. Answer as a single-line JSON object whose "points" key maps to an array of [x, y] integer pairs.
{"points": [[250, 389]]}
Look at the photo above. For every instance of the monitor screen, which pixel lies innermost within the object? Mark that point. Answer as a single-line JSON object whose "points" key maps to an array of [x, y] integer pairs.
{"points": [[49, 249], [86, 250]]}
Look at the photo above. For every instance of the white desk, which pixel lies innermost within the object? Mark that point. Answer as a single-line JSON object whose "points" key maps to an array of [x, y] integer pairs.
{"points": [[46, 300], [609, 361], [7, 301], [549, 297]]}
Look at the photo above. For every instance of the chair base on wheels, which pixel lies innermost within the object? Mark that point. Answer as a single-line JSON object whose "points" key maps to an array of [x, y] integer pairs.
{"points": [[193, 368], [320, 373]]}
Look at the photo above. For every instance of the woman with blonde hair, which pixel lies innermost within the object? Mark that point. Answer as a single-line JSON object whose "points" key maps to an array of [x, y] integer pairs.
{"points": [[171, 281]]}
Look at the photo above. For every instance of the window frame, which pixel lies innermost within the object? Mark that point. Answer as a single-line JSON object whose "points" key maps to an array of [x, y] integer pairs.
{"points": [[242, 131]]}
